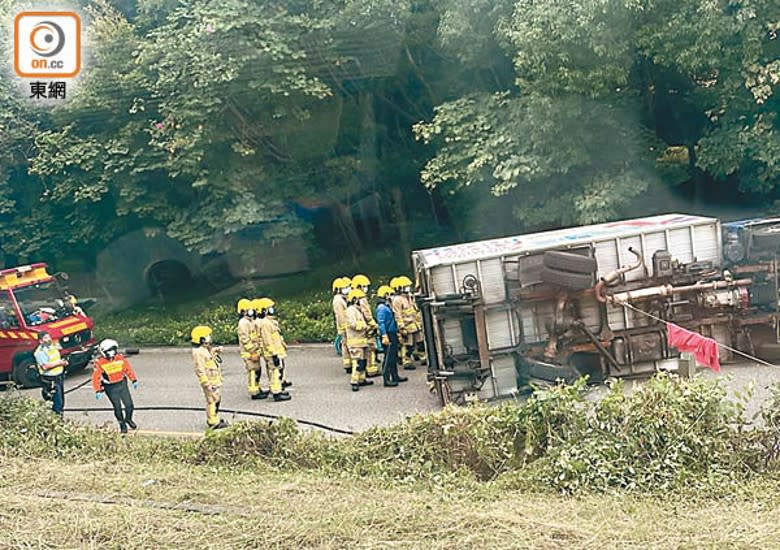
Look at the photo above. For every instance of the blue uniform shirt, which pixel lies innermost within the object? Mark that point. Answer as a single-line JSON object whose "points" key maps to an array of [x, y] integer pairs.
{"points": [[385, 319]]}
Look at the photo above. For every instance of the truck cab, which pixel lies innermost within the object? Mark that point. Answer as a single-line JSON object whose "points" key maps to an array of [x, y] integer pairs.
{"points": [[31, 301]]}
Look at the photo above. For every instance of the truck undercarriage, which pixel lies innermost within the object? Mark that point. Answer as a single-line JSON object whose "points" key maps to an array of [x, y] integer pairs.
{"points": [[594, 301]]}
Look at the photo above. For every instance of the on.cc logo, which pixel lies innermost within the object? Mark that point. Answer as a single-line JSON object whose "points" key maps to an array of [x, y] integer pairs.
{"points": [[47, 44]]}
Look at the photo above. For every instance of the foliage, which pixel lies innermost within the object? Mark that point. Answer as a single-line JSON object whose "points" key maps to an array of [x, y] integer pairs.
{"points": [[210, 118], [303, 318], [670, 435], [602, 89]]}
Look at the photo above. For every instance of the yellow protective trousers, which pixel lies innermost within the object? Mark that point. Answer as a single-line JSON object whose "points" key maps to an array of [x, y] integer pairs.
{"points": [[254, 372], [213, 398]]}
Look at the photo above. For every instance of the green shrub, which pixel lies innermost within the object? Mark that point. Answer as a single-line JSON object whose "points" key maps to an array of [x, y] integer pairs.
{"points": [[667, 435], [304, 318]]}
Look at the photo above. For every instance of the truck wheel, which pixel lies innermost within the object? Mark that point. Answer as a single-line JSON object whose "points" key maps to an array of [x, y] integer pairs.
{"points": [[575, 281], [568, 261], [26, 375], [767, 237]]}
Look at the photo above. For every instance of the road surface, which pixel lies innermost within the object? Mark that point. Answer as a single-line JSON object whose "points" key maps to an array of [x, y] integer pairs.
{"points": [[321, 392]]}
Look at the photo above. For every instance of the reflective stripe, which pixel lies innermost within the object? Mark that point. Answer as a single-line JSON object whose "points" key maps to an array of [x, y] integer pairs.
{"points": [[357, 342], [113, 367], [12, 335], [53, 355]]}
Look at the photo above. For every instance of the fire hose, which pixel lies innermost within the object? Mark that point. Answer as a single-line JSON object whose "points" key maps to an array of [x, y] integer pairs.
{"points": [[271, 417]]}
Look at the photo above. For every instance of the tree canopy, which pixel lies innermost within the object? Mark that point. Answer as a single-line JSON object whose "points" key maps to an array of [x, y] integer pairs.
{"points": [[204, 118]]}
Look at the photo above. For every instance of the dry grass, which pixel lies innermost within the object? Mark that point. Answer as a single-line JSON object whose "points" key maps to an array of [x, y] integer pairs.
{"points": [[165, 505]]}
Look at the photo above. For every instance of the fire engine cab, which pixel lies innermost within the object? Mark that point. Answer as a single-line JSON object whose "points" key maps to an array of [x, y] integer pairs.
{"points": [[31, 301]]}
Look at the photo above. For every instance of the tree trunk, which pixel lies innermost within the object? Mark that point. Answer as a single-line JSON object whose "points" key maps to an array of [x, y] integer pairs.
{"points": [[403, 229], [343, 219]]}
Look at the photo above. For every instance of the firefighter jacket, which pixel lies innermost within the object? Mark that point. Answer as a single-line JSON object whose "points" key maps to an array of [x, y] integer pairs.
{"points": [[406, 313], [340, 312], [248, 342], [368, 315], [357, 328], [273, 343], [207, 369], [111, 371]]}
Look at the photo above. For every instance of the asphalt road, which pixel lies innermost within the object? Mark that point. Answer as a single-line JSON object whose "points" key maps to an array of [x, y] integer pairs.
{"points": [[320, 393]]}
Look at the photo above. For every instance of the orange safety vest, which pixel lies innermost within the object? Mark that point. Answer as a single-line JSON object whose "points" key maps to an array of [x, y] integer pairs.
{"points": [[111, 371]]}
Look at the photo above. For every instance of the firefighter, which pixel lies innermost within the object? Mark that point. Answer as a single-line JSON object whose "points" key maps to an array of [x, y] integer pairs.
{"points": [[110, 376], [357, 339], [51, 367], [341, 288], [274, 348], [408, 317], [207, 369], [361, 282], [74, 304], [388, 330], [283, 370], [250, 348]]}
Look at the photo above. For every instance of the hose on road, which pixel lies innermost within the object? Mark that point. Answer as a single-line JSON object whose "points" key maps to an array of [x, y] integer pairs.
{"points": [[200, 409], [229, 411]]}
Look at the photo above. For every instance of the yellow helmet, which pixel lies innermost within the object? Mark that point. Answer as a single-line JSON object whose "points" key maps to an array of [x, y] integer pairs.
{"points": [[340, 283], [256, 304], [356, 294], [360, 280], [400, 282], [264, 304], [199, 333], [243, 305], [384, 291]]}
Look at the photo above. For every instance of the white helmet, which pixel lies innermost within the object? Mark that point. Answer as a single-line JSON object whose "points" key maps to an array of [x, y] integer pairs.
{"points": [[108, 348]]}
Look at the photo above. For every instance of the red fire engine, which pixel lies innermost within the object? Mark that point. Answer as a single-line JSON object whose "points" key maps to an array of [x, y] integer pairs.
{"points": [[31, 301]]}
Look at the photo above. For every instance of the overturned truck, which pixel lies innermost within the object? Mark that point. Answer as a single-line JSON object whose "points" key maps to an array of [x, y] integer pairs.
{"points": [[594, 300]]}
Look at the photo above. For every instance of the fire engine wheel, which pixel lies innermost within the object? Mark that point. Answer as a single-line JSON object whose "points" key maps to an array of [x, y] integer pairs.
{"points": [[767, 237], [26, 375], [575, 281], [568, 261]]}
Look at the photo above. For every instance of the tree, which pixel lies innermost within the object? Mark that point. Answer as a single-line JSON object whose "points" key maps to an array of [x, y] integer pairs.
{"points": [[605, 90]]}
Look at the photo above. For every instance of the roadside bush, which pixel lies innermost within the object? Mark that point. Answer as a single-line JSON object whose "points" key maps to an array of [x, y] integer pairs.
{"points": [[303, 318], [669, 434], [29, 428]]}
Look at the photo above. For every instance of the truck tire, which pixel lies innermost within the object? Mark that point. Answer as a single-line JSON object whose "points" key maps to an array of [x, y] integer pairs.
{"points": [[767, 237], [25, 374], [568, 261], [575, 281]]}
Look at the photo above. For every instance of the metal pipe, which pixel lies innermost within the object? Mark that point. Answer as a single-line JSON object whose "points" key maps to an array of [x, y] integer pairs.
{"points": [[599, 346], [663, 291], [613, 276]]}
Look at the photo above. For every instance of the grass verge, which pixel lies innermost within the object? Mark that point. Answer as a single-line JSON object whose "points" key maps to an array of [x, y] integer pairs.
{"points": [[671, 464]]}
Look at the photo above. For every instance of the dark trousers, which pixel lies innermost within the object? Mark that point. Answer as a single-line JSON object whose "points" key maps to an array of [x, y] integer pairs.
{"points": [[119, 395], [52, 387], [390, 363]]}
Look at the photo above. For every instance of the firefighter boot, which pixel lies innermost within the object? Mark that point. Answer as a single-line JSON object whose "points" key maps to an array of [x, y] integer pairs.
{"points": [[362, 376], [406, 359], [276, 385], [355, 378]]}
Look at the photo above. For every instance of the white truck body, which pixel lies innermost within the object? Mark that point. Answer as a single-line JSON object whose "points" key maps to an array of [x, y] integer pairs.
{"points": [[508, 270]]}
